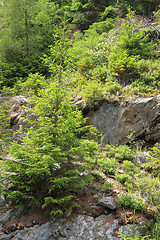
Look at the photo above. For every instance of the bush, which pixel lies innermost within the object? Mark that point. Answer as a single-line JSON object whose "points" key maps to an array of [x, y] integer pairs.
{"points": [[154, 163], [33, 84], [122, 178], [110, 150], [129, 186], [88, 55], [97, 175], [127, 47], [111, 87], [149, 71], [109, 12], [149, 188], [91, 92], [103, 26], [108, 165], [128, 166], [123, 152], [127, 201], [139, 87]]}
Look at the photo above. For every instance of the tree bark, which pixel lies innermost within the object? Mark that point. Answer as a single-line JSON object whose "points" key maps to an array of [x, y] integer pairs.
{"points": [[26, 29]]}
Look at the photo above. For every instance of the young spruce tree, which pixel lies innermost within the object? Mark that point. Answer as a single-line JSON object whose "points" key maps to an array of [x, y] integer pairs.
{"points": [[46, 166]]}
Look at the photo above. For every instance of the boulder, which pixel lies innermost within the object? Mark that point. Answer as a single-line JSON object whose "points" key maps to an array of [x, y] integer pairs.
{"points": [[107, 202], [17, 111], [142, 157]]}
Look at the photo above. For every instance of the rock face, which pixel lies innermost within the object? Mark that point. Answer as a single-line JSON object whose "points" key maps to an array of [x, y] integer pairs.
{"points": [[139, 116], [78, 228], [114, 120]]}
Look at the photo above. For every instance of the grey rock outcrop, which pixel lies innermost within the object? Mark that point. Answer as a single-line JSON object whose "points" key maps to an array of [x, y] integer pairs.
{"points": [[11, 214], [80, 227], [114, 120], [139, 116], [17, 112]]}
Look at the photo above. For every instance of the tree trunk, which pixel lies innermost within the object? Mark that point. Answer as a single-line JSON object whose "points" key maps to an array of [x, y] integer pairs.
{"points": [[26, 29]]}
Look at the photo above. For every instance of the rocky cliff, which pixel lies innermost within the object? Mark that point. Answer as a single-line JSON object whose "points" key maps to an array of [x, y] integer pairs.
{"points": [[137, 116]]}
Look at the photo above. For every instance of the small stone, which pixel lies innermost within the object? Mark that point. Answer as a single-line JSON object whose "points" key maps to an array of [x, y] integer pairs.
{"points": [[12, 227], [95, 196], [120, 171], [85, 173], [116, 191]]}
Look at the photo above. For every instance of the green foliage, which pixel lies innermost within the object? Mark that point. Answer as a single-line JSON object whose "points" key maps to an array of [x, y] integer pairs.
{"points": [[85, 13], [155, 229], [53, 65], [111, 87], [128, 166], [88, 54], [123, 152], [128, 201], [110, 45], [10, 71], [133, 234], [150, 71], [26, 29], [44, 162], [110, 150], [33, 84], [149, 188], [108, 165], [129, 186], [127, 48], [43, 171], [91, 92], [97, 175], [120, 62], [58, 51], [139, 6], [123, 178], [127, 178], [5, 132], [109, 12], [139, 87], [114, 50], [154, 163], [103, 26], [46, 166]]}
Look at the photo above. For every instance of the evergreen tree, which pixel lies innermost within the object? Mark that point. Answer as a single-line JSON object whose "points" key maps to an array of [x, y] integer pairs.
{"points": [[47, 164]]}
